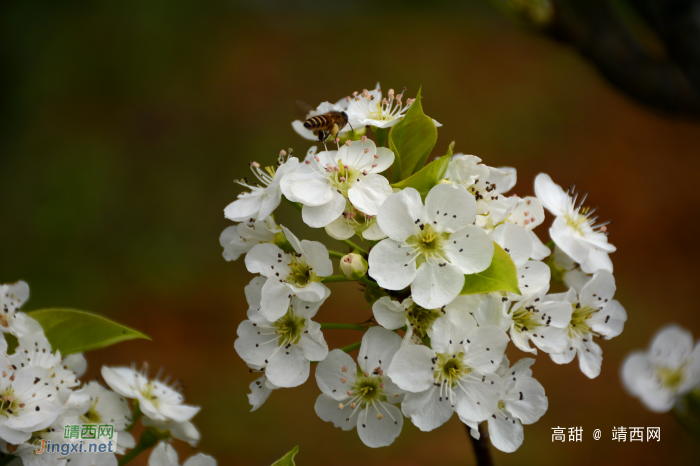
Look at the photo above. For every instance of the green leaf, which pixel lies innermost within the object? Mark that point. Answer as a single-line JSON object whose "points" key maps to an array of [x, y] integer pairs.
{"points": [[288, 459], [500, 276], [72, 331], [427, 177], [411, 140], [450, 148]]}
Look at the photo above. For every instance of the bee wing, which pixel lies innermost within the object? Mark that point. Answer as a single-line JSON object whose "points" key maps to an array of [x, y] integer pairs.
{"points": [[306, 108]]}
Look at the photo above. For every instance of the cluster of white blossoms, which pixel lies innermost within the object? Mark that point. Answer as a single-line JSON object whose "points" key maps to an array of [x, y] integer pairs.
{"points": [[668, 371], [41, 395], [454, 271]]}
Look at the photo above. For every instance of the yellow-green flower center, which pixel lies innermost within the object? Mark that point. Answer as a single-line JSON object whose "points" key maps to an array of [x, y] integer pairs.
{"points": [[300, 273], [290, 328], [368, 389], [450, 368], [420, 319]]}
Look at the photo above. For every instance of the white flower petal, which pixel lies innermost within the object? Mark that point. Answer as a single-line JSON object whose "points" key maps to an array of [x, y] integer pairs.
{"points": [[436, 285], [329, 374], [388, 313], [412, 368], [377, 349], [390, 266], [322, 215], [369, 193], [375, 432], [473, 250], [288, 368], [401, 213]]}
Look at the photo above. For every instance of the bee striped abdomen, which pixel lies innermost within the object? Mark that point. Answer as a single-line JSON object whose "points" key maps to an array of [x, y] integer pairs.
{"points": [[317, 122]]}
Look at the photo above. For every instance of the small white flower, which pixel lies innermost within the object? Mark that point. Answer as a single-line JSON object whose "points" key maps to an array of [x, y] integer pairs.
{"points": [[297, 273], [573, 230], [541, 321], [456, 375], [165, 455], [362, 395], [324, 183], [240, 239], [323, 108], [35, 350], [418, 321], [185, 431], [285, 346], [524, 403], [667, 371], [156, 399], [487, 184], [595, 313], [12, 297], [429, 247], [353, 221], [27, 402], [260, 391], [264, 196], [108, 407], [369, 108]]}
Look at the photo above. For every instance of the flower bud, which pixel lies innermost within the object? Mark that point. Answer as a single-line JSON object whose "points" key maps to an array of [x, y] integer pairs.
{"points": [[353, 266]]}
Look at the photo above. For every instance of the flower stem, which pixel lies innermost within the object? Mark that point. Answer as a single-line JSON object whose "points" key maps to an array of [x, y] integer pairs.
{"points": [[360, 327], [481, 446], [336, 254], [354, 246], [295, 204], [352, 347], [148, 439], [335, 278], [135, 416]]}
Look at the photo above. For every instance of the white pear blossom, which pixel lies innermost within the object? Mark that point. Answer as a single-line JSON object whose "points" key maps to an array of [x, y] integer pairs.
{"points": [[456, 375], [542, 322], [185, 431], [667, 371], [286, 346], [429, 247], [156, 399], [325, 183], [352, 222], [296, 273], [487, 184], [240, 239], [323, 108], [28, 400], [595, 313], [12, 297], [108, 407], [524, 402], [35, 350], [361, 395], [574, 230], [165, 455], [369, 108], [418, 321], [265, 195]]}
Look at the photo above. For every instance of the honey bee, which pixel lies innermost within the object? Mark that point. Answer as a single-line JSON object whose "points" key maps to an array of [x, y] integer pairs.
{"points": [[328, 124]]}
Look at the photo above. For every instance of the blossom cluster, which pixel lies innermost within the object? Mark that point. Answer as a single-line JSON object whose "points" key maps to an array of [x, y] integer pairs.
{"points": [[41, 393], [445, 240]]}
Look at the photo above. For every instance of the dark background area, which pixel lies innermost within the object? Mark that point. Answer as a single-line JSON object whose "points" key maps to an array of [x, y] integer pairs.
{"points": [[123, 126]]}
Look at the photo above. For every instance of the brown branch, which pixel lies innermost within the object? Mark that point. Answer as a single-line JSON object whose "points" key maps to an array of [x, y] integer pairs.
{"points": [[482, 451]]}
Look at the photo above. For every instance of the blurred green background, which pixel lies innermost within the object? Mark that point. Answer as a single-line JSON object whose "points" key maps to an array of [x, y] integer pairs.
{"points": [[124, 124]]}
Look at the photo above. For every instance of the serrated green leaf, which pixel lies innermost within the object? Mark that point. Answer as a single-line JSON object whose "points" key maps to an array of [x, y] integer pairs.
{"points": [[500, 276], [71, 331], [427, 177], [288, 459], [411, 140]]}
